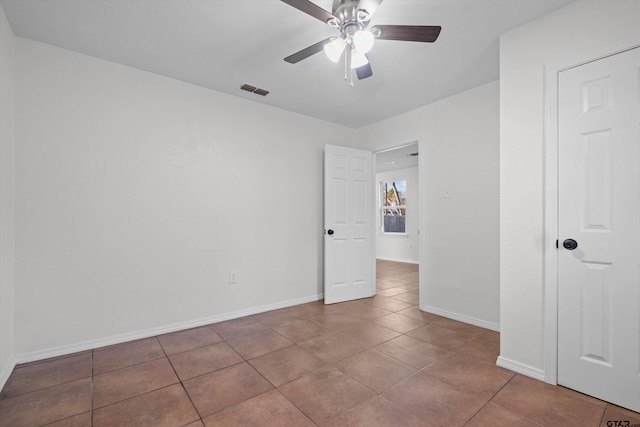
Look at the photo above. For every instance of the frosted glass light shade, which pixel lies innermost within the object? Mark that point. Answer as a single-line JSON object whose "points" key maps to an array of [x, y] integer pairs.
{"points": [[358, 59], [334, 49], [363, 40]]}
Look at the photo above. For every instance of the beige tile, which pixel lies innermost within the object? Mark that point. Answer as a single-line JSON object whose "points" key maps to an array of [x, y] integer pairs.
{"points": [[229, 386], [332, 347], [382, 283], [286, 365], [310, 309], [47, 373], [128, 354], [178, 342], [204, 360], [375, 369], [377, 412], [167, 407], [435, 401], [336, 321], [468, 373], [495, 416], [368, 311], [446, 338], [47, 405], [124, 383], [237, 327], [301, 330], [412, 297], [389, 304], [268, 409], [392, 291], [279, 317], [325, 394], [455, 325], [259, 343], [399, 323], [82, 420], [549, 405], [415, 312], [412, 351], [484, 348], [369, 334]]}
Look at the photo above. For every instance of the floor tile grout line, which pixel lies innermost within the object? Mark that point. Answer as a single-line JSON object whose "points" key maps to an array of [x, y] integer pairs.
{"points": [[296, 406], [47, 387], [507, 409]]}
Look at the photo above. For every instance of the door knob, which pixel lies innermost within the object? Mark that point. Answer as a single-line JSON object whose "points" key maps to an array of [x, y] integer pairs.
{"points": [[330, 232], [570, 244]]}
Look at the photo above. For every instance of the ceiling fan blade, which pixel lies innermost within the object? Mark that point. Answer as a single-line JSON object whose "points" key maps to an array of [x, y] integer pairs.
{"points": [[370, 6], [307, 52], [364, 71], [310, 9], [411, 33]]}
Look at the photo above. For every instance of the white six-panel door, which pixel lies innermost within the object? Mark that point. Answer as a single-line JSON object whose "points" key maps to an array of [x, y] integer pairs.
{"points": [[349, 262], [599, 208]]}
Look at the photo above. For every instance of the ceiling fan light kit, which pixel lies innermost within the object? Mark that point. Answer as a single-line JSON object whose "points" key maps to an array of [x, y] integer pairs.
{"points": [[363, 41], [334, 49], [358, 59], [351, 18]]}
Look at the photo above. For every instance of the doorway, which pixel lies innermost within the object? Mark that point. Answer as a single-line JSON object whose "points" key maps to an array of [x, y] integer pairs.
{"points": [[396, 213]]}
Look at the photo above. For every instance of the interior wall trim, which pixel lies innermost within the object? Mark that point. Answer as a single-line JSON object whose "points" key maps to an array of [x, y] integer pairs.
{"points": [[461, 318], [119, 339], [520, 368]]}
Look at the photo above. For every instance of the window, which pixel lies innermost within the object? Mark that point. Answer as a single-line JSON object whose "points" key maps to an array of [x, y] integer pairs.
{"points": [[393, 206]]}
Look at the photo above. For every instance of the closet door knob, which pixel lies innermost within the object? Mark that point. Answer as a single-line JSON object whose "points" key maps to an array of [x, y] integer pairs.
{"points": [[570, 244]]}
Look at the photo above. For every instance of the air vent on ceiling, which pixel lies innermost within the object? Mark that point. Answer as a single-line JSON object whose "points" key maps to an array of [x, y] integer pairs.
{"points": [[253, 89]]}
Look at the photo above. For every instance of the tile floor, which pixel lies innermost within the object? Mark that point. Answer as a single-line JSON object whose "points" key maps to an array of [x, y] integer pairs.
{"points": [[373, 362]]}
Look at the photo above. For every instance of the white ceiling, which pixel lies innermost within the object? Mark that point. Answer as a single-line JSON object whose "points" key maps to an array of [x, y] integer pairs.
{"points": [[221, 44], [397, 158]]}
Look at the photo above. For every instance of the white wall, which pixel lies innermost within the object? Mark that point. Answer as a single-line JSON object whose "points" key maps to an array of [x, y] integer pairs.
{"points": [[459, 153], [577, 28], [402, 248], [138, 194], [7, 251]]}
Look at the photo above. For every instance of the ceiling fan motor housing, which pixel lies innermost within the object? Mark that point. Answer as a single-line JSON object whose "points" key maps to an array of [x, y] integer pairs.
{"points": [[348, 14]]}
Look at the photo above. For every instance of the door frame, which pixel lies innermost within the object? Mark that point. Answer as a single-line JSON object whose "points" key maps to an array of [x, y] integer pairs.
{"points": [[421, 208], [550, 189]]}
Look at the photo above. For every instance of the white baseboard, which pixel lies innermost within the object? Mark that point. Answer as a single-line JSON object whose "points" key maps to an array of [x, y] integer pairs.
{"points": [[520, 368], [5, 372], [462, 318], [118, 339]]}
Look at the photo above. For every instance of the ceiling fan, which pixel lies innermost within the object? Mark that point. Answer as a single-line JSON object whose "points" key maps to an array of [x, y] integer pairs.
{"points": [[351, 18]]}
